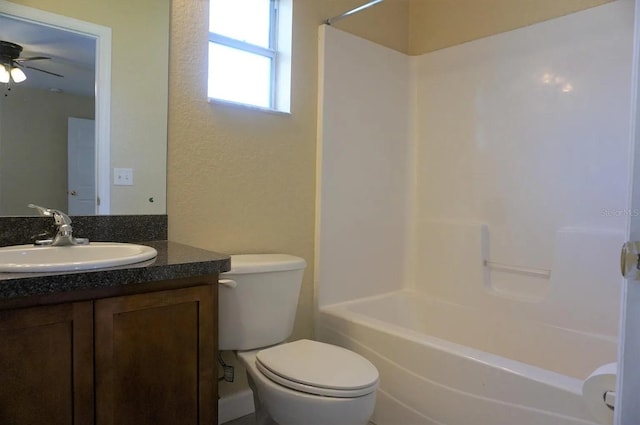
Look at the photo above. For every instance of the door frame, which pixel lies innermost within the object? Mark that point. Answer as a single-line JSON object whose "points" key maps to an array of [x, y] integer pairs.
{"points": [[627, 410]]}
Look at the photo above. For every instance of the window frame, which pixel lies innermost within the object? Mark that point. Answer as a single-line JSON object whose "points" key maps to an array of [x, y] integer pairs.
{"points": [[270, 52]]}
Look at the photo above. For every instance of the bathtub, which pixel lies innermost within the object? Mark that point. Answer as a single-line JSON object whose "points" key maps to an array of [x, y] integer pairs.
{"points": [[442, 363]]}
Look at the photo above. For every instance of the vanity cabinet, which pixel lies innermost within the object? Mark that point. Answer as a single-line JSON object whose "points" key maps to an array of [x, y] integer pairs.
{"points": [[139, 359], [155, 358], [46, 365]]}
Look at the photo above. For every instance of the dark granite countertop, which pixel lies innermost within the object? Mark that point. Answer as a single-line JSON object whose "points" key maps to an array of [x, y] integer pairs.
{"points": [[174, 261]]}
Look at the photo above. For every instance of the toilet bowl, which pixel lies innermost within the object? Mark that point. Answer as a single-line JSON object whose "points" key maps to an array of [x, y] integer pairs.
{"points": [[318, 398], [297, 383]]}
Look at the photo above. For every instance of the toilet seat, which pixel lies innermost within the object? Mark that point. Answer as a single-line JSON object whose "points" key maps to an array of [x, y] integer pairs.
{"points": [[317, 368]]}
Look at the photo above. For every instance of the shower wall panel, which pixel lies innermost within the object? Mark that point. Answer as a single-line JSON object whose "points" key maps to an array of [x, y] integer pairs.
{"points": [[363, 167]]}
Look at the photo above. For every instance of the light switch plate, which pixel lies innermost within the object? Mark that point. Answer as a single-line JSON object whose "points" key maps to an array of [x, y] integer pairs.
{"points": [[123, 176]]}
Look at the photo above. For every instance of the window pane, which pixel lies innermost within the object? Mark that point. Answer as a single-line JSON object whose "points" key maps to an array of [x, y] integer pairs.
{"points": [[244, 20], [239, 76]]}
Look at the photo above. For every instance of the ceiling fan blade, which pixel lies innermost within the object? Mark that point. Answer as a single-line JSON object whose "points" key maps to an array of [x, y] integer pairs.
{"points": [[34, 58], [42, 70]]}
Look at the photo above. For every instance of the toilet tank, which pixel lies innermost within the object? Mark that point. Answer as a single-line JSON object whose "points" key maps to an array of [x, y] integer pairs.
{"points": [[258, 307]]}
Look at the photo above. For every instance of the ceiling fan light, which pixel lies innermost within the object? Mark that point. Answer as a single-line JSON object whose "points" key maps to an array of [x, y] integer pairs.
{"points": [[4, 74], [18, 75]]}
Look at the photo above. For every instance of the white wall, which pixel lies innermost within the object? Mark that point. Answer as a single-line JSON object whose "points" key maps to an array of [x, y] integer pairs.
{"points": [[522, 151], [519, 147], [363, 167]]}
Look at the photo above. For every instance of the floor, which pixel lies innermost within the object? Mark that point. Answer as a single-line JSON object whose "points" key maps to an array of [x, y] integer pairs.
{"points": [[245, 420]]}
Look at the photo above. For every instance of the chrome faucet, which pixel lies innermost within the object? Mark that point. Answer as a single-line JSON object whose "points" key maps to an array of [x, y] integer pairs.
{"points": [[64, 232]]}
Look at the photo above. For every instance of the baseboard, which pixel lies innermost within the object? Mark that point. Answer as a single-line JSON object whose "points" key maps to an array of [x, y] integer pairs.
{"points": [[235, 406]]}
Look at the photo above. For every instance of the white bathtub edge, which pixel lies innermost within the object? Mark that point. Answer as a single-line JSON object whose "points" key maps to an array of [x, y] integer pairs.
{"points": [[547, 377], [401, 409]]}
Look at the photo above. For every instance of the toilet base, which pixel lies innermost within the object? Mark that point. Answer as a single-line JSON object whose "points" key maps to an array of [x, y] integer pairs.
{"points": [[261, 414]]}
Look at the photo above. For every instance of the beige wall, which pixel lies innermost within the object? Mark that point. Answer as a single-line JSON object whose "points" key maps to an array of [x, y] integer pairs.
{"points": [[385, 23], [140, 40], [419, 26], [436, 24], [33, 147], [240, 180]]}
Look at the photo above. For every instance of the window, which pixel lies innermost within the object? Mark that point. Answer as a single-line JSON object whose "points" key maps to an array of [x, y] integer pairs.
{"points": [[249, 41]]}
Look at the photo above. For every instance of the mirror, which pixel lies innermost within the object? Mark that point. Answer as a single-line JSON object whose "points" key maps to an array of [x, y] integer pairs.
{"points": [[127, 43]]}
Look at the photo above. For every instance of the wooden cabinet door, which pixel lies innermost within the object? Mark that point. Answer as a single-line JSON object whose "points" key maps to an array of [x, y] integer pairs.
{"points": [[46, 365], [155, 358]]}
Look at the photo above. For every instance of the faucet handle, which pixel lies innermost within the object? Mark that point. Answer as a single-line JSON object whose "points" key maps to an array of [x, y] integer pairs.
{"points": [[60, 217], [42, 210]]}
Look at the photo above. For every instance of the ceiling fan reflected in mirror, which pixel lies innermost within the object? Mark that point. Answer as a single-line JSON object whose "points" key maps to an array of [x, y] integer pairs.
{"points": [[12, 65]]}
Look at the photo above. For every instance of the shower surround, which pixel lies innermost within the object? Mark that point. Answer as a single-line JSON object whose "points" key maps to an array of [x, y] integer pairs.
{"points": [[471, 205]]}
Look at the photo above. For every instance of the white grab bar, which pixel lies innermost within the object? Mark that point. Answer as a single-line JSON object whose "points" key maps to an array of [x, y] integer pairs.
{"points": [[544, 274]]}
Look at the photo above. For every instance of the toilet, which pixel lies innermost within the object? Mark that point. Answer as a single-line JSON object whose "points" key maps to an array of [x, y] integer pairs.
{"points": [[297, 383]]}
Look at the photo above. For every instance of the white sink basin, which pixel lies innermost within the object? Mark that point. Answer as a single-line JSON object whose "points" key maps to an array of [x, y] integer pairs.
{"points": [[96, 255]]}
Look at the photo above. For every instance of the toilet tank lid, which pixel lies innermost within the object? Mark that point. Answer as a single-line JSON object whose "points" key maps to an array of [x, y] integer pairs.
{"points": [[260, 263]]}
